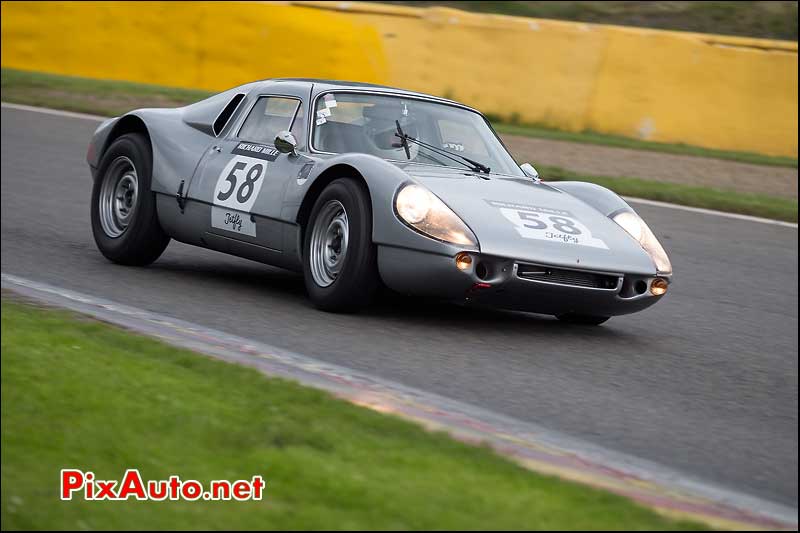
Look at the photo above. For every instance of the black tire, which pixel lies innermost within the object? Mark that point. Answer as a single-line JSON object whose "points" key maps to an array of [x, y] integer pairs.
{"points": [[143, 240], [586, 320], [357, 280]]}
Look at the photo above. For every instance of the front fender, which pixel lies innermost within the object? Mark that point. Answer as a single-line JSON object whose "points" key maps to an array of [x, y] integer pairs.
{"points": [[382, 180], [604, 200]]}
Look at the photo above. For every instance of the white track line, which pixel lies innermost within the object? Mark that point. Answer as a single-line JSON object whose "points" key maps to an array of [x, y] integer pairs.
{"points": [[713, 212], [56, 112], [699, 210]]}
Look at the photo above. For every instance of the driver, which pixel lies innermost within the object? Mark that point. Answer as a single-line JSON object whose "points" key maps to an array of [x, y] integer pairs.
{"points": [[380, 127]]}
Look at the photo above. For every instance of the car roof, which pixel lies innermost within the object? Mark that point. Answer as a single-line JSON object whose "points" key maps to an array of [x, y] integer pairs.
{"points": [[324, 85], [339, 83]]}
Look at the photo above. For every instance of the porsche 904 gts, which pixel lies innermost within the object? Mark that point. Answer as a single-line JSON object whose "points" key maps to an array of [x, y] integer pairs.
{"points": [[355, 184]]}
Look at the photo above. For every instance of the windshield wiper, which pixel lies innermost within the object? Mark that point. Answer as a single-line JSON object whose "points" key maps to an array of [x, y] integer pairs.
{"points": [[458, 158], [403, 139]]}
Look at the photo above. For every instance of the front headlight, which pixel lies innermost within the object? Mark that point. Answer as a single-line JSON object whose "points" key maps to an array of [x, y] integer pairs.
{"points": [[423, 211], [636, 228]]}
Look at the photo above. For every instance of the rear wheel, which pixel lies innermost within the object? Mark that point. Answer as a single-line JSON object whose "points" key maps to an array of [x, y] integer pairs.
{"points": [[339, 258], [124, 220], [587, 320]]}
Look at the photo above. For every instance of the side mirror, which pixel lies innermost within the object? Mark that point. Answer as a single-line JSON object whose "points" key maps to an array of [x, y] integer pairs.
{"points": [[529, 171], [286, 143]]}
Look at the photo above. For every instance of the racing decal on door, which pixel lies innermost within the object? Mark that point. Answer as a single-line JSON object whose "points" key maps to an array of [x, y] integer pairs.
{"points": [[231, 220], [259, 151], [547, 224], [238, 187]]}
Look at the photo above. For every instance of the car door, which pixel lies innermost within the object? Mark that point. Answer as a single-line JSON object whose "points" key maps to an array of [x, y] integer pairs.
{"points": [[243, 177]]}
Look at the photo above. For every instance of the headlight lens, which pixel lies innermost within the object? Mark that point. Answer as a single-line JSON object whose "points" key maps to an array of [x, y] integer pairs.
{"points": [[636, 228], [423, 211]]}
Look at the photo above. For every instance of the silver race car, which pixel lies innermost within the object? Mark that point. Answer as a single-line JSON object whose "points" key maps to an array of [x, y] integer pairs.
{"points": [[355, 184]]}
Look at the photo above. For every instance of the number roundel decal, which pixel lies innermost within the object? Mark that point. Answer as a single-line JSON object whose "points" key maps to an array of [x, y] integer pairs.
{"points": [[239, 183], [547, 224]]}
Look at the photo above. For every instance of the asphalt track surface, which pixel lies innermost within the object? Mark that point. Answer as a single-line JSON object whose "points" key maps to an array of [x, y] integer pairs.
{"points": [[705, 382]]}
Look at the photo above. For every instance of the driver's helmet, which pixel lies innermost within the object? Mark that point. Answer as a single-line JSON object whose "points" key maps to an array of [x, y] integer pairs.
{"points": [[380, 127]]}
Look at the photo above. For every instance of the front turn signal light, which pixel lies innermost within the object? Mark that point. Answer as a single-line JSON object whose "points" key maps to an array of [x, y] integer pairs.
{"points": [[658, 286], [463, 261]]}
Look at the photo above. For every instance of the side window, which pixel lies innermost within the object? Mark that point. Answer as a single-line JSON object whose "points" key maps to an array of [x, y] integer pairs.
{"points": [[297, 125], [270, 116]]}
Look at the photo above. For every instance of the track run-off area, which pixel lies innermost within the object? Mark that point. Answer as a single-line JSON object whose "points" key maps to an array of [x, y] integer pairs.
{"points": [[704, 383]]}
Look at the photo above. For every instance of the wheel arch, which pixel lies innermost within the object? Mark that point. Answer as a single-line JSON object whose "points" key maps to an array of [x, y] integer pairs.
{"points": [[334, 172], [126, 124]]}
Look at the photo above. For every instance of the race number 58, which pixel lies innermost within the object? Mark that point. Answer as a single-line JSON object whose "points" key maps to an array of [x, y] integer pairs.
{"points": [[562, 224], [531, 224], [239, 183]]}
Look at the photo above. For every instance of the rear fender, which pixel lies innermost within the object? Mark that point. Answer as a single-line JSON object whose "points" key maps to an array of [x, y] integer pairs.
{"points": [[176, 147]]}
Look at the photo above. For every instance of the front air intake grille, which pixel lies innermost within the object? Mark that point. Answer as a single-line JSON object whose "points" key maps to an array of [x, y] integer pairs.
{"points": [[575, 278]]}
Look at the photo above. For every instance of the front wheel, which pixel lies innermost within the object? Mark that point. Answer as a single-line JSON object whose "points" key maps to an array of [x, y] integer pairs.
{"points": [[586, 320], [339, 258]]}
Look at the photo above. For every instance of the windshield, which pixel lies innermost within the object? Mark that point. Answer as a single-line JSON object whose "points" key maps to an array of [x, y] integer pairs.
{"points": [[367, 123]]}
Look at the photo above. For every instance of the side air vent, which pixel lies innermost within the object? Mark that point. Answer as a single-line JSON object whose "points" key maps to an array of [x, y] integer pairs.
{"points": [[226, 114]]}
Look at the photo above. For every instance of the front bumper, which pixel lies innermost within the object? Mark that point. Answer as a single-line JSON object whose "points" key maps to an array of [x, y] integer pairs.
{"points": [[510, 284]]}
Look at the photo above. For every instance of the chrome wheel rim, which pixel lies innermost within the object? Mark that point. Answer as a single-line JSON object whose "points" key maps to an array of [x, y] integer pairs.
{"points": [[118, 197], [329, 239]]}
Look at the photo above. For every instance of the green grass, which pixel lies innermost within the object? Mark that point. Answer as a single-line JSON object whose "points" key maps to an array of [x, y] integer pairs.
{"points": [[591, 137], [81, 394], [86, 95], [111, 98], [733, 202]]}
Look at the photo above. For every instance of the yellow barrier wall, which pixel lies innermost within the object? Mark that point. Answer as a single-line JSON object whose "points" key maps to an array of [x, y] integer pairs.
{"points": [[706, 90], [202, 45]]}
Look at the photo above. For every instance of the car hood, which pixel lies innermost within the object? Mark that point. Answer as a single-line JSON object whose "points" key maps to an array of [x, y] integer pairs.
{"points": [[534, 221]]}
